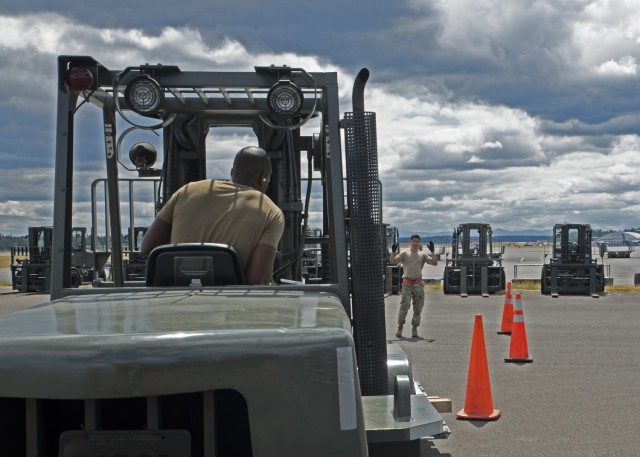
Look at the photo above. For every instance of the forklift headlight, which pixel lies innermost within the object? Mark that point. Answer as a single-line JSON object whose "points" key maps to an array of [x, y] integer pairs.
{"points": [[143, 155], [285, 99], [144, 95]]}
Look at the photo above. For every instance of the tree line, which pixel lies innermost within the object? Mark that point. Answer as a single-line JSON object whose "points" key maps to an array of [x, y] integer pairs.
{"points": [[7, 241]]}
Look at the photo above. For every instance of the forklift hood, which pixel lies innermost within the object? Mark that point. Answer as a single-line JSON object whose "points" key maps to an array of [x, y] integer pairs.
{"points": [[157, 341]]}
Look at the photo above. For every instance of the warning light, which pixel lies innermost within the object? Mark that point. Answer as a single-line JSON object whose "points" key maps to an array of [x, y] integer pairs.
{"points": [[79, 78]]}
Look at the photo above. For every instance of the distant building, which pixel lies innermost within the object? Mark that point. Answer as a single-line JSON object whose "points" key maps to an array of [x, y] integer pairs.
{"points": [[620, 238]]}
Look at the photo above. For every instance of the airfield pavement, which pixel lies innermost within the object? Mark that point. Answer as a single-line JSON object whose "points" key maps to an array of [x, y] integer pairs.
{"points": [[579, 396]]}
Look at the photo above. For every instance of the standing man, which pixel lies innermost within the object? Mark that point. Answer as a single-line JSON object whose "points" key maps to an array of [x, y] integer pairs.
{"points": [[413, 259], [235, 212]]}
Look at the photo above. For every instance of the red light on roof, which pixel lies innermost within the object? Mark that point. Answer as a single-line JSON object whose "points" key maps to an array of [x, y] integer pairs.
{"points": [[79, 78]]}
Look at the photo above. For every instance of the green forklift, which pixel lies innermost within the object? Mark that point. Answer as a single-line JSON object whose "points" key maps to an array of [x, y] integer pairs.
{"points": [[572, 269], [157, 367]]}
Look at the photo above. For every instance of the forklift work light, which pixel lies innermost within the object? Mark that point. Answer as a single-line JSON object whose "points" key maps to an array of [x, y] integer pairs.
{"points": [[285, 99], [79, 78], [144, 95], [143, 155]]}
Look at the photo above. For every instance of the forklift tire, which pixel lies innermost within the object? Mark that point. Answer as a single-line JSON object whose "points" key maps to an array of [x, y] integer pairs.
{"points": [[76, 280], [543, 282], [445, 283]]}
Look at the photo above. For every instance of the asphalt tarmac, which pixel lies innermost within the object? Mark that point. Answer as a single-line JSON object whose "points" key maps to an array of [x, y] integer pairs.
{"points": [[579, 397]]}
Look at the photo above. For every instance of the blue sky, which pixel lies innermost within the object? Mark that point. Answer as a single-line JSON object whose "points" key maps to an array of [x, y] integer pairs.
{"points": [[518, 114]]}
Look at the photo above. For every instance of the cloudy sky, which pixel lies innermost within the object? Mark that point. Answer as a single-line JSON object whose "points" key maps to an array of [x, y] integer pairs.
{"points": [[519, 114]]}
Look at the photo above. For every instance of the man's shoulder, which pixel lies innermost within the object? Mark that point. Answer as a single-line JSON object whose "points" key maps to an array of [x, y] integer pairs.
{"points": [[215, 185], [275, 209], [197, 186]]}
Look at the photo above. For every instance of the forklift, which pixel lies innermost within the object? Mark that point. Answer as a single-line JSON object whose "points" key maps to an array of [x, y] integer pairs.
{"points": [[474, 267], [203, 369], [31, 264], [572, 268]]}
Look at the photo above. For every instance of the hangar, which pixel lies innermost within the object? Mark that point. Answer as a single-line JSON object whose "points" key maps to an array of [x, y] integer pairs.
{"points": [[620, 238]]}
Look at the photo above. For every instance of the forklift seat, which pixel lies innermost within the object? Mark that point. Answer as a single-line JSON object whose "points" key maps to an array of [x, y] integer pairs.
{"points": [[194, 265]]}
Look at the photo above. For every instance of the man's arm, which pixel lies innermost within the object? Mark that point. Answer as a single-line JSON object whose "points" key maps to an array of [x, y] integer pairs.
{"points": [[393, 258], [260, 265], [432, 258], [159, 233]]}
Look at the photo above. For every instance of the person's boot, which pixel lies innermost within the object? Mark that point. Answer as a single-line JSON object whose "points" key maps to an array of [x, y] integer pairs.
{"points": [[414, 331], [399, 331]]}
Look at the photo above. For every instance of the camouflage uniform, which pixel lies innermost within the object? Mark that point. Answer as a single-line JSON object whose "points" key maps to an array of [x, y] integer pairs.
{"points": [[411, 292], [412, 285]]}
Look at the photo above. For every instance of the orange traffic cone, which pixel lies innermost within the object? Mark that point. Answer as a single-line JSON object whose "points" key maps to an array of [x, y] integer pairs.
{"points": [[507, 314], [478, 404], [518, 350]]}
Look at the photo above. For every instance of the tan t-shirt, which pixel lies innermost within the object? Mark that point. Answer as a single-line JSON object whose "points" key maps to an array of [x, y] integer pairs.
{"points": [[215, 211], [412, 263]]}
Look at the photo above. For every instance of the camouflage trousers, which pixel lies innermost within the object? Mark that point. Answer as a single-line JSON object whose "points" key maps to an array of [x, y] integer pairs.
{"points": [[415, 293]]}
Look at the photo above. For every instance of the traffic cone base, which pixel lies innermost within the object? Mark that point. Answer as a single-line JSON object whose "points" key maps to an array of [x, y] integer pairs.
{"points": [[518, 360], [470, 416]]}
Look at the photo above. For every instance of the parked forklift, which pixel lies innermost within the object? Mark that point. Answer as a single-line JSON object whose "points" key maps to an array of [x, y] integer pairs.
{"points": [[474, 268], [213, 366], [571, 269], [312, 262], [31, 264], [135, 264]]}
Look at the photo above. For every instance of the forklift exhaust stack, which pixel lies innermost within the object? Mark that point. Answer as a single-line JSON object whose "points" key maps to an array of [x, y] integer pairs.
{"points": [[367, 268]]}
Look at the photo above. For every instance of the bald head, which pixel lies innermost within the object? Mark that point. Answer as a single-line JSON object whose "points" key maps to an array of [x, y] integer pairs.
{"points": [[252, 167]]}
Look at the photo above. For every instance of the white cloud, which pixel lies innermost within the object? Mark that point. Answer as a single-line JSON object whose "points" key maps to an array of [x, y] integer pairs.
{"points": [[448, 152], [12, 208], [491, 145], [17, 215], [606, 34], [625, 66]]}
